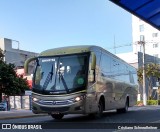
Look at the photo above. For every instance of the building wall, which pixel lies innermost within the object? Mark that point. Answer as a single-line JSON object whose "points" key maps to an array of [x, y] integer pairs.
{"points": [[150, 34], [16, 56]]}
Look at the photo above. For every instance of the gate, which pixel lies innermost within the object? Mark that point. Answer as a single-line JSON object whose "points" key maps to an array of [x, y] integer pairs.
{"points": [[20, 102]]}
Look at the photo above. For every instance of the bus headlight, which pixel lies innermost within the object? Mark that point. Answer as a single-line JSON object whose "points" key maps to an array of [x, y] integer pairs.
{"points": [[78, 98], [35, 99]]}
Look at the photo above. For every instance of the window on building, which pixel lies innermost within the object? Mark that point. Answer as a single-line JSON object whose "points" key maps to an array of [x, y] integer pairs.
{"points": [[142, 38], [155, 45], [141, 28], [154, 34]]}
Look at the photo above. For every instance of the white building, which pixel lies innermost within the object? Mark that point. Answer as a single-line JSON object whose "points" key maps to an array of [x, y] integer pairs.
{"points": [[142, 31], [15, 56]]}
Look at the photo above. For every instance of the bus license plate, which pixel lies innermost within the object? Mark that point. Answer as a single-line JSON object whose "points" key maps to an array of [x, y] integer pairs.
{"points": [[55, 112]]}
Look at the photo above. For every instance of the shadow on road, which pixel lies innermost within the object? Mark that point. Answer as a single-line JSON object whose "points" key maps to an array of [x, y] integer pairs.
{"points": [[132, 116], [86, 118]]}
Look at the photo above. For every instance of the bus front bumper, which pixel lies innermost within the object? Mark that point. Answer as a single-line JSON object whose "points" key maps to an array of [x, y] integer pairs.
{"points": [[74, 108]]}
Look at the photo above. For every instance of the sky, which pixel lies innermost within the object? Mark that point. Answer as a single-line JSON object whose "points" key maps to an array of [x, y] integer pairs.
{"points": [[44, 24]]}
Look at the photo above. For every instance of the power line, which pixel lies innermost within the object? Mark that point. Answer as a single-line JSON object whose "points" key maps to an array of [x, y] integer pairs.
{"points": [[119, 46], [131, 44]]}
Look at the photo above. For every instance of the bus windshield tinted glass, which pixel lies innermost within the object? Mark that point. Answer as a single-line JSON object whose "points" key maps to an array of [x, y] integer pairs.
{"points": [[59, 74]]}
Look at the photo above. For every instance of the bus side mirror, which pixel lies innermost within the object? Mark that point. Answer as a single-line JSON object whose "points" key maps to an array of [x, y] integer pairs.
{"points": [[92, 68], [26, 64], [91, 76], [93, 61]]}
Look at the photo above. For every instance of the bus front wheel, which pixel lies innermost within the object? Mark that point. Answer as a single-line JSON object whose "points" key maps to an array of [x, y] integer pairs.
{"points": [[100, 110], [99, 113], [57, 116]]}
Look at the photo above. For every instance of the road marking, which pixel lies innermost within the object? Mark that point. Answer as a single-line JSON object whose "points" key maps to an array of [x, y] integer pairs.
{"points": [[156, 121]]}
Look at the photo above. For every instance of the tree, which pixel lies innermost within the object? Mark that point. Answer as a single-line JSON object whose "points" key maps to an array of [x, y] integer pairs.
{"points": [[10, 83], [152, 71], [1, 55]]}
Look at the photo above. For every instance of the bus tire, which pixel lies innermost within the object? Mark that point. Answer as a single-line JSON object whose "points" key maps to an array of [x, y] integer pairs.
{"points": [[57, 116], [99, 113], [125, 109], [100, 110]]}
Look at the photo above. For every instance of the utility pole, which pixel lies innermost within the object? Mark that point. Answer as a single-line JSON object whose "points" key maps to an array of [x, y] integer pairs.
{"points": [[144, 76]]}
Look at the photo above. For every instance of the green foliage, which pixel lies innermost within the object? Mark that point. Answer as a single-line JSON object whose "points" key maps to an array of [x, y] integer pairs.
{"points": [[10, 83], [152, 102], [149, 102], [151, 70], [140, 75], [1, 55]]}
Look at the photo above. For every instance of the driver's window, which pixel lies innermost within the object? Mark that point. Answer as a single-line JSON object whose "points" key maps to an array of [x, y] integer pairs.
{"points": [[39, 75]]}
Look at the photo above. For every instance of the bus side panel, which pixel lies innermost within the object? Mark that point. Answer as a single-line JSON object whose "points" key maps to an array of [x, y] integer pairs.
{"points": [[91, 105], [132, 95], [119, 95], [131, 92], [105, 87]]}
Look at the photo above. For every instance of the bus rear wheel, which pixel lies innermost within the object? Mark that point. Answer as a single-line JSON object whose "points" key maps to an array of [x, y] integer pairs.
{"points": [[57, 116], [125, 109]]}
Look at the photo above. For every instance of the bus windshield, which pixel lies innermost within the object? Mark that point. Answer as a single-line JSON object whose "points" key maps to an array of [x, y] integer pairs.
{"points": [[64, 74]]}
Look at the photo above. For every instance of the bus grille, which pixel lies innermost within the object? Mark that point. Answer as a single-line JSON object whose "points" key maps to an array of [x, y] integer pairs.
{"points": [[64, 102]]}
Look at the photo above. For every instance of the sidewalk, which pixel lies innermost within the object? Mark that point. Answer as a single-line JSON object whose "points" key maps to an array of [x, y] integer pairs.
{"points": [[13, 114]]}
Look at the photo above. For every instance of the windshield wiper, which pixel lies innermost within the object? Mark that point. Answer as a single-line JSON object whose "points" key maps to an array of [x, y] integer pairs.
{"points": [[64, 82], [48, 78], [60, 77]]}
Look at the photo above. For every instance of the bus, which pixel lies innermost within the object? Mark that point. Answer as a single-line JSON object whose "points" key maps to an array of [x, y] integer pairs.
{"points": [[81, 80]]}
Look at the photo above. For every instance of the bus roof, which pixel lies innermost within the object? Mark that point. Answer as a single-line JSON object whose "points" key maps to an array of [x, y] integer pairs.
{"points": [[76, 49], [67, 50]]}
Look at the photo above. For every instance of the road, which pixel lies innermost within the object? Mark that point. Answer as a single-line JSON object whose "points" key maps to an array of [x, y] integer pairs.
{"points": [[147, 114]]}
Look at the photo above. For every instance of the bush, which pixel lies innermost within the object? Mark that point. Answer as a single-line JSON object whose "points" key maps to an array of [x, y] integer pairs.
{"points": [[152, 102], [149, 102]]}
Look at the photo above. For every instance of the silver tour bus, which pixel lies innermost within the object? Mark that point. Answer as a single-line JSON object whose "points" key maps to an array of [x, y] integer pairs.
{"points": [[81, 80]]}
